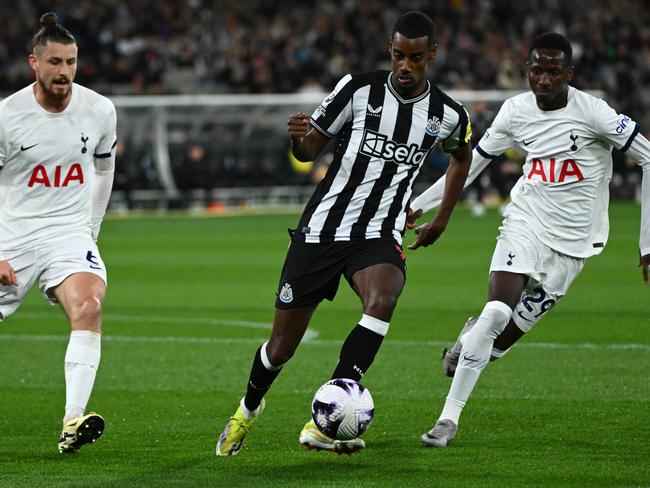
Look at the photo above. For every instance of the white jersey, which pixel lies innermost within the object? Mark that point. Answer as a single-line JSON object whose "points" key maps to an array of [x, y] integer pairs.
{"points": [[46, 165], [563, 193]]}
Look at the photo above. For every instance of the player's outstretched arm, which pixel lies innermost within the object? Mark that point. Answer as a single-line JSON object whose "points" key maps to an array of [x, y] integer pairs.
{"points": [[455, 180], [644, 262], [432, 196], [639, 151], [306, 143], [644, 241], [7, 274]]}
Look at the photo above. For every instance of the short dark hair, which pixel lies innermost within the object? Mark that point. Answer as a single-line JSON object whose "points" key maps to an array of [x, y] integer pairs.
{"points": [[554, 41], [51, 31], [415, 24]]}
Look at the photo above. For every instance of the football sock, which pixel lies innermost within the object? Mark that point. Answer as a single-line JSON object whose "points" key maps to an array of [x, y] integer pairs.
{"points": [[497, 353], [474, 356], [81, 363], [262, 376], [360, 348]]}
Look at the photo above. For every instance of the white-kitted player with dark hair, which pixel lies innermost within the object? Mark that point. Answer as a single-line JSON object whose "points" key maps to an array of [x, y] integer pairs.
{"points": [[57, 158], [557, 217]]}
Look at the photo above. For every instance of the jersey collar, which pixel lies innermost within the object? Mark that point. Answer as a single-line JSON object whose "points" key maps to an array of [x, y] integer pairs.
{"points": [[421, 96], [71, 105], [569, 102]]}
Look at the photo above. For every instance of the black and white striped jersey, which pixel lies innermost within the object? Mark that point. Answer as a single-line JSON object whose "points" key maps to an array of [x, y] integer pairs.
{"points": [[382, 142]]}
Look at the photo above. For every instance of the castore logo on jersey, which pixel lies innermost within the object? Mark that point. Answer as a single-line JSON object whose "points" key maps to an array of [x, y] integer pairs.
{"points": [[374, 112]]}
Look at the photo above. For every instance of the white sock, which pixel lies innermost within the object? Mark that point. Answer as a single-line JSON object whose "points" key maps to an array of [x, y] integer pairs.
{"points": [[474, 356], [497, 353], [81, 363], [249, 413]]}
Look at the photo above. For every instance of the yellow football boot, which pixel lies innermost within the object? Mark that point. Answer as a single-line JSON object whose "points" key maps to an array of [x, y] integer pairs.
{"points": [[233, 435], [79, 431]]}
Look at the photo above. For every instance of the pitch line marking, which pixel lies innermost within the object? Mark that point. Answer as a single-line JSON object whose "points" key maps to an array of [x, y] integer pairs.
{"points": [[316, 342], [310, 334]]}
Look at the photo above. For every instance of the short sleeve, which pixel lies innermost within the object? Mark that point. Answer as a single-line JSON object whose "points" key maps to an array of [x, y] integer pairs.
{"points": [[3, 144], [461, 135], [617, 129], [498, 138], [108, 138], [336, 109]]}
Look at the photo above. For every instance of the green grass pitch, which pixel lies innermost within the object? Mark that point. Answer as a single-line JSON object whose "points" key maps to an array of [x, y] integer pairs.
{"points": [[190, 300]]}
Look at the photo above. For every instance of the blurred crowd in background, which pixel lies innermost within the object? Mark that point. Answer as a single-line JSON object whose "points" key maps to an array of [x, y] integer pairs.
{"points": [[282, 46]]}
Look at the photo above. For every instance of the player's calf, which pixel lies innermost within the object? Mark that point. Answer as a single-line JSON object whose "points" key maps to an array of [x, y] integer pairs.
{"points": [[450, 356]]}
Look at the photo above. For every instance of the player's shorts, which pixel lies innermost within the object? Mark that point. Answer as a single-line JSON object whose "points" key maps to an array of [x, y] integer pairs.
{"points": [[550, 273], [50, 264], [311, 271]]}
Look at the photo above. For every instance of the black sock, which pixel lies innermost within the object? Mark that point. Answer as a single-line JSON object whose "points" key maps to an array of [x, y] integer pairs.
{"points": [[259, 381], [358, 353]]}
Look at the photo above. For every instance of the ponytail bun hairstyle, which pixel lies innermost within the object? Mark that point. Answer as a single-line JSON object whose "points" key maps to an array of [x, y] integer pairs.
{"points": [[50, 31]]}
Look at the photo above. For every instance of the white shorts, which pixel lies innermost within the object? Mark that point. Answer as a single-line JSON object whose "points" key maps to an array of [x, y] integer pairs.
{"points": [[550, 273], [50, 264]]}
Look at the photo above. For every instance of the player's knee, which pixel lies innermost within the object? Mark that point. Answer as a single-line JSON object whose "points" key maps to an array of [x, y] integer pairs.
{"points": [[523, 324], [380, 306], [493, 319], [87, 312], [279, 353]]}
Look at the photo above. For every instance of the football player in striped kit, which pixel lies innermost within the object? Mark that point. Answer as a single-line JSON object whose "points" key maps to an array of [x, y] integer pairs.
{"points": [[385, 123], [557, 217], [57, 157]]}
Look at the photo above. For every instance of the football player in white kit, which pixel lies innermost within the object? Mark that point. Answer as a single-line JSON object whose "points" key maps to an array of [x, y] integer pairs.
{"points": [[57, 143], [557, 217]]}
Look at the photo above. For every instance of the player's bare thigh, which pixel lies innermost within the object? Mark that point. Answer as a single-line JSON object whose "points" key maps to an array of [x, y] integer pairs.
{"points": [[289, 326], [81, 295], [379, 286], [506, 287]]}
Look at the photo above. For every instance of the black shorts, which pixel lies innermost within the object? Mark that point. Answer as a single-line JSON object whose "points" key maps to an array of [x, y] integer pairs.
{"points": [[312, 272]]}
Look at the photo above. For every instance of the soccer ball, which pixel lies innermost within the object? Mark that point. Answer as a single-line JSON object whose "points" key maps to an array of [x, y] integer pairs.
{"points": [[342, 409]]}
